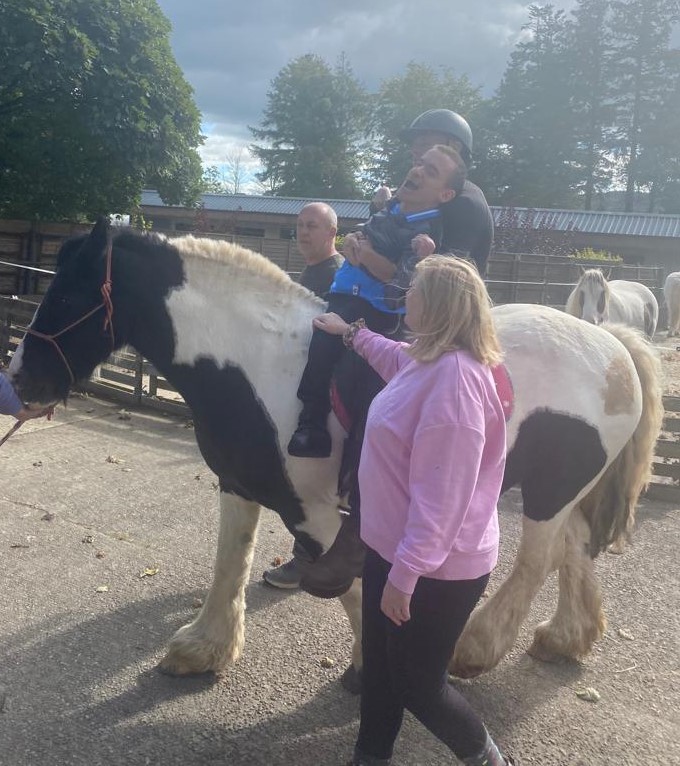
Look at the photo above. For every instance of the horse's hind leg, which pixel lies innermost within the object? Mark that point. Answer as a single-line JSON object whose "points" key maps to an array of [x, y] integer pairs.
{"points": [[493, 627], [215, 638], [579, 620]]}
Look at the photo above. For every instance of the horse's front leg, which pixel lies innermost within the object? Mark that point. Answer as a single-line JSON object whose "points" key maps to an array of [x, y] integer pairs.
{"points": [[215, 638], [351, 602], [492, 628]]}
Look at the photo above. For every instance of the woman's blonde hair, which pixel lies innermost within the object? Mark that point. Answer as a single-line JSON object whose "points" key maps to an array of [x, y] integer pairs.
{"points": [[456, 311]]}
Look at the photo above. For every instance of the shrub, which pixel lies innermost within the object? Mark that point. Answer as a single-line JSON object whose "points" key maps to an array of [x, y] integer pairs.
{"points": [[588, 254]]}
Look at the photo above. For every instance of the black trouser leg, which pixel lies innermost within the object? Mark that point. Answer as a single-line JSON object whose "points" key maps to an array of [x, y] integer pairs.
{"points": [[406, 667]]}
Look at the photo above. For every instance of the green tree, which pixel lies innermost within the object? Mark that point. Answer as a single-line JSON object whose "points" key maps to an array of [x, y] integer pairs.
{"points": [[589, 56], [535, 141], [400, 100], [93, 108], [313, 131], [645, 89]]}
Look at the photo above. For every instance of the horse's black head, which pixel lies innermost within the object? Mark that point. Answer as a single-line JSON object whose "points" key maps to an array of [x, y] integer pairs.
{"points": [[43, 373]]}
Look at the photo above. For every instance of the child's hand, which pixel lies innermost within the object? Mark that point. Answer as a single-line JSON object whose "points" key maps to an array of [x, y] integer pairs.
{"points": [[423, 245], [381, 198], [350, 248]]}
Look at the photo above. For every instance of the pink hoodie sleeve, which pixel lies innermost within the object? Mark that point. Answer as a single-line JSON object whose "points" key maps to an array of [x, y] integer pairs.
{"points": [[385, 356], [445, 462]]}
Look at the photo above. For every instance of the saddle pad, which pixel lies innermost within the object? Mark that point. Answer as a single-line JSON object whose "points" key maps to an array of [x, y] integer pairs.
{"points": [[500, 376], [504, 389]]}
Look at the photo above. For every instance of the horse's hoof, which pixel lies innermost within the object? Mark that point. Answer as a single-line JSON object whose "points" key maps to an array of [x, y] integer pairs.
{"points": [[181, 668], [351, 680], [468, 671], [539, 651]]}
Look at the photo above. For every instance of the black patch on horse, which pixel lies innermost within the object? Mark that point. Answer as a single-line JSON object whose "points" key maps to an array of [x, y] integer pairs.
{"points": [[553, 458]]}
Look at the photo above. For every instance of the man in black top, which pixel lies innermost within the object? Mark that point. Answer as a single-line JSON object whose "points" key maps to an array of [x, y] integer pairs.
{"points": [[317, 225], [466, 220]]}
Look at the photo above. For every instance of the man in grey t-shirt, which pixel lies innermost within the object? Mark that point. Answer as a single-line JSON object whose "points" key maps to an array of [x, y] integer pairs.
{"points": [[317, 225]]}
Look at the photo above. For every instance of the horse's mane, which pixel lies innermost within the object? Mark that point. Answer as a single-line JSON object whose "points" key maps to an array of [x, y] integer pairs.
{"points": [[221, 251], [240, 258], [593, 277]]}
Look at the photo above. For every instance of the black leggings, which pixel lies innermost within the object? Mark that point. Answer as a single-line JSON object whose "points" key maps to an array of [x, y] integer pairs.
{"points": [[326, 350], [406, 667]]}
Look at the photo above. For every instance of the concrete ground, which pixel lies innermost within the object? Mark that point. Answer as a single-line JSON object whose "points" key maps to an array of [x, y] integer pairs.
{"points": [[107, 536]]}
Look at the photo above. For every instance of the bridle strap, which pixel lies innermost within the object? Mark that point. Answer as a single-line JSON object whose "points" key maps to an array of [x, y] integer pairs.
{"points": [[106, 304]]}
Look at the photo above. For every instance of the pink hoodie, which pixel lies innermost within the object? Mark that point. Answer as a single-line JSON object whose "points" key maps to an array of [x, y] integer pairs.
{"points": [[432, 464]]}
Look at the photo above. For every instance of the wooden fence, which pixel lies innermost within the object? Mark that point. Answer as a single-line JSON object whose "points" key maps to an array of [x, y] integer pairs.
{"points": [[128, 378], [511, 278]]}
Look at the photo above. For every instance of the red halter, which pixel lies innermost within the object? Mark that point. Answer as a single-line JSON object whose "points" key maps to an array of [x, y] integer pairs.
{"points": [[105, 304]]}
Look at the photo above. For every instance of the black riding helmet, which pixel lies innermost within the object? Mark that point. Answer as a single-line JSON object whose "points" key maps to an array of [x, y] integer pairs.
{"points": [[442, 121]]}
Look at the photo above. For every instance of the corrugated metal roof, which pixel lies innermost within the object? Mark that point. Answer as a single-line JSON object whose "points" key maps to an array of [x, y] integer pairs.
{"points": [[345, 208], [592, 221], [587, 221]]}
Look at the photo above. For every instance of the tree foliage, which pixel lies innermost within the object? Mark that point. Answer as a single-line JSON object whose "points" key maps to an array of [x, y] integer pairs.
{"points": [[532, 116], [313, 130], [647, 79], [588, 104], [93, 108], [400, 100]]}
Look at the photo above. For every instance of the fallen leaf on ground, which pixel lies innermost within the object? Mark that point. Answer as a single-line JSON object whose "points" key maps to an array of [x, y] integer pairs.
{"points": [[326, 662], [277, 561], [37, 463], [99, 554], [88, 539], [48, 516], [18, 545], [150, 571], [589, 694], [101, 589], [124, 415], [113, 459], [625, 634]]}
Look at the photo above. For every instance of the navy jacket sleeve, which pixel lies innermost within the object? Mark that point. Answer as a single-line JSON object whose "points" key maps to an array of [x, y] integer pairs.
{"points": [[468, 226]]}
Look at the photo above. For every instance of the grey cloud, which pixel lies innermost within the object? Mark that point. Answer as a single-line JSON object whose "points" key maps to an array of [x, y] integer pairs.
{"points": [[230, 52]]}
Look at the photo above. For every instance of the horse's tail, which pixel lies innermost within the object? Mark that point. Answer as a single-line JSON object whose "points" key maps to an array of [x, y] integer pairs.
{"points": [[610, 505]]}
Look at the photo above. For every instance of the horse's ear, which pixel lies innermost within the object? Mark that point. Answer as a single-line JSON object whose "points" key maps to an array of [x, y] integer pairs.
{"points": [[99, 237]]}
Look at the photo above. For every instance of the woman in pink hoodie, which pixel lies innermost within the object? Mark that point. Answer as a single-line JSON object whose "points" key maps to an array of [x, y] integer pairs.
{"points": [[430, 475]]}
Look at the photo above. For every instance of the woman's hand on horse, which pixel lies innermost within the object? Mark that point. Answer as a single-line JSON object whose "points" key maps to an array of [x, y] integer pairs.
{"points": [[331, 323], [395, 604], [27, 414]]}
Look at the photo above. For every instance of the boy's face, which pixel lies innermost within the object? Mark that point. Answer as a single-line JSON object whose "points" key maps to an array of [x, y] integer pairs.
{"points": [[427, 183]]}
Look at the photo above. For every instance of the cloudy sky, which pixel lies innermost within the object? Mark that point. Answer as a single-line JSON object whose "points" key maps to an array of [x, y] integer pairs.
{"points": [[231, 50]]}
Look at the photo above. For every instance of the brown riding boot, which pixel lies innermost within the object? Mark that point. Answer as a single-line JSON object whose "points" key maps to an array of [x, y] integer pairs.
{"points": [[333, 574]]}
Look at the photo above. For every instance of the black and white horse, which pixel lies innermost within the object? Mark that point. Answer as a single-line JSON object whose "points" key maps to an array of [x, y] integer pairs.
{"points": [[230, 330]]}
